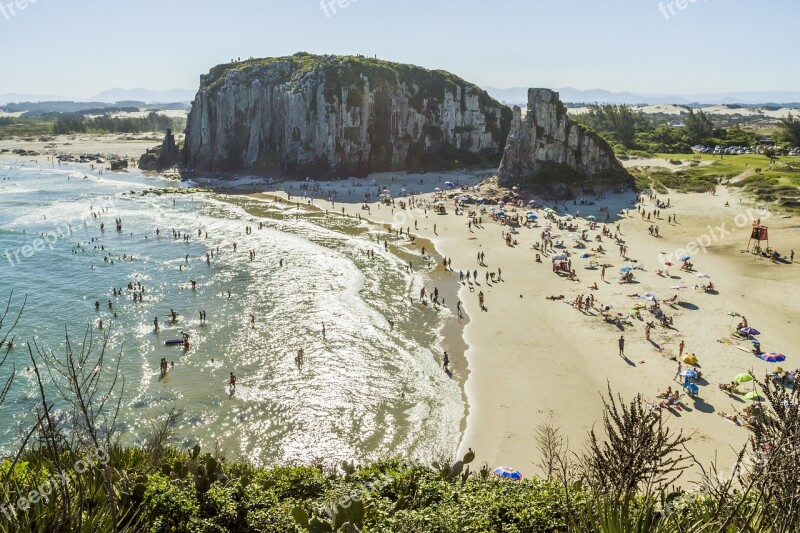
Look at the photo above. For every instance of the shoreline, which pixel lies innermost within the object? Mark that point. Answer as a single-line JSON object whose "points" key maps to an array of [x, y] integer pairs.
{"points": [[530, 360], [453, 338]]}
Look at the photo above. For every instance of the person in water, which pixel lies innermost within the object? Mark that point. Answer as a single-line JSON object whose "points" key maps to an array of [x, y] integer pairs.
{"points": [[232, 382]]}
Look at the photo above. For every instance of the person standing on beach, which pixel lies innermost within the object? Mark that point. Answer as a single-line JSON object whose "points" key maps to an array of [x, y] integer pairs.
{"points": [[621, 343], [678, 372], [603, 274], [681, 346]]}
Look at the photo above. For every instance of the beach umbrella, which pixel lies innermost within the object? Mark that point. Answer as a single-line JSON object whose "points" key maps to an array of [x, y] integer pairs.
{"points": [[650, 296], [753, 395], [743, 378], [689, 374], [625, 270], [507, 472], [685, 258], [690, 359], [463, 198], [532, 202], [559, 257], [500, 213], [449, 184], [585, 255], [501, 202], [591, 217], [749, 331], [549, 210], [703, 276], [772, 357]]}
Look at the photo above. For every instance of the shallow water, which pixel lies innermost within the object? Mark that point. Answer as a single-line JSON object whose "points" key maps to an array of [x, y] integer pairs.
{"points": [[363, 392]]}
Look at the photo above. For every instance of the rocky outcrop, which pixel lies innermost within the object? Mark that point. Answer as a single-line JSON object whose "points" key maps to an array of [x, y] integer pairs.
{"points": [[546, 147], [161, 158], [331, 116]]}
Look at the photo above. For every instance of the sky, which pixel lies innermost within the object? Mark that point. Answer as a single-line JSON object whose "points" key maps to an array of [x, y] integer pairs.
{"points": [[77, 49]]}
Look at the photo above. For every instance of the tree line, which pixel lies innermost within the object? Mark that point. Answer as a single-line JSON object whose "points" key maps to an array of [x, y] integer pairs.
{"points": [[628, 129], [69, 123]]}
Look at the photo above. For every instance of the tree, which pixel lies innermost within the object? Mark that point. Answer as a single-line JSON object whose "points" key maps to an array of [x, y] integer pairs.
{"points": [[7, 343], [789, 130], [699, 127], [638, 453], [618, 123]]}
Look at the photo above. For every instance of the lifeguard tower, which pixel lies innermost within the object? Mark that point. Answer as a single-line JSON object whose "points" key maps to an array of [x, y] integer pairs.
{"points": [[760, 234]]}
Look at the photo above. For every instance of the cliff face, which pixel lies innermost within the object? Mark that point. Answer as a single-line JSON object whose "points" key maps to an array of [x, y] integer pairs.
{"points": [[163, 157], [339, 116], [547, 145]]}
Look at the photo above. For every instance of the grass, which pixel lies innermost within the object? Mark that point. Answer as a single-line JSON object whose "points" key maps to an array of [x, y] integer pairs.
{"points": [[777, 184], [25, 128]]}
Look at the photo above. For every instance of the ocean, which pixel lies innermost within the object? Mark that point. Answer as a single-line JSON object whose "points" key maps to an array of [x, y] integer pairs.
{"points": [[365, 391]]}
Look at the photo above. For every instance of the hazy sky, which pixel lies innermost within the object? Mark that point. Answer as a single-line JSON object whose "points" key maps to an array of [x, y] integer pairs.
{"points": [[77, 48]]}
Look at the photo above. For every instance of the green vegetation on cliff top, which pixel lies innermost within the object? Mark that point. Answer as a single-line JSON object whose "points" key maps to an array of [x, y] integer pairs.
{"points": [[349, 69]]}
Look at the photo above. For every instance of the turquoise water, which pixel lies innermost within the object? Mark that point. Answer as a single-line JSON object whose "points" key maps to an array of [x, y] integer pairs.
{"points": [[363, 392]]}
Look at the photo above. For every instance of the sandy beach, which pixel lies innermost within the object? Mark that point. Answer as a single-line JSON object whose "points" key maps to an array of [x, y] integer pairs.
{"points": [[528, 359], [531, 359]]}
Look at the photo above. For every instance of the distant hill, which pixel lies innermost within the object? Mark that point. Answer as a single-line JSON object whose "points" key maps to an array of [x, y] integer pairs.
{"points": [[146, 95], [519, 95], [17, 97]]}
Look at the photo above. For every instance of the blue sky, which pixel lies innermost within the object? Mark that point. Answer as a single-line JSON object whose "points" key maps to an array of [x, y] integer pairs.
{"points": [[77, 48]]}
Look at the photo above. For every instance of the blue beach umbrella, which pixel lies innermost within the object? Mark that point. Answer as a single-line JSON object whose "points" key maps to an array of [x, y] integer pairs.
{"points": [[449, 184], [749, 331], [625, 270], [689, 374], [772, 357], [507, 472], [501, 213], [685, 258]]}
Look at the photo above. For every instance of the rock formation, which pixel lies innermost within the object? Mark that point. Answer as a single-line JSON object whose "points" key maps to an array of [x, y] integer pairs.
{"points": [[547, 147], [163, 157], [329, 116]]}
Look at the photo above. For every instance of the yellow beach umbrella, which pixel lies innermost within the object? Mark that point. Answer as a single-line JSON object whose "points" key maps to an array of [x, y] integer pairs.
{"points": [[690, 359]]}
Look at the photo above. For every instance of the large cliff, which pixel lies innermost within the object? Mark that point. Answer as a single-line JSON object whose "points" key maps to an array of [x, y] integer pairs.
{"points": [[546, 146], [331, 116]]}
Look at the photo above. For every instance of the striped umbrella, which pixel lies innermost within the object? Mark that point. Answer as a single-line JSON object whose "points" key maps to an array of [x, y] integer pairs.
{"points": [[772, 357], [507, 472]]}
